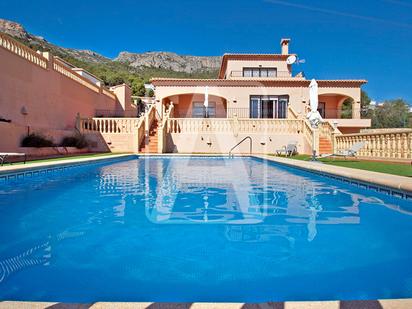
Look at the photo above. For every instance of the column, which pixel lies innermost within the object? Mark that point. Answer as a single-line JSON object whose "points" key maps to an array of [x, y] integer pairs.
{"points": [[356, 109]]}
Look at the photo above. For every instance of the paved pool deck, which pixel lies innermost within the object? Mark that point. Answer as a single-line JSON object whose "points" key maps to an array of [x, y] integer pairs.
{"points": [[44, 164], [395, 182], [369, 304]]}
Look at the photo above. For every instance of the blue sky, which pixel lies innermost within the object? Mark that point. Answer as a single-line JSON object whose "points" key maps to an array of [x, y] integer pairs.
{"points": [[369, 39]]}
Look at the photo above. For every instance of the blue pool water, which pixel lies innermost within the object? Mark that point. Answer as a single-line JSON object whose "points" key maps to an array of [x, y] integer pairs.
{"points": [[200, 229]]}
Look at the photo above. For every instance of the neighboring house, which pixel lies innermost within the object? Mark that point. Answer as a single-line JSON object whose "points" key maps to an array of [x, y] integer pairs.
{"points": [[260, 86]]}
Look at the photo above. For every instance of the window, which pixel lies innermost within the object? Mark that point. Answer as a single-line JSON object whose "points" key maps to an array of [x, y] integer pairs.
{"points": [[282, 108], [259, 72], [247, 73], [322, 109], [272, 72], [199, 110], [268, 106]]}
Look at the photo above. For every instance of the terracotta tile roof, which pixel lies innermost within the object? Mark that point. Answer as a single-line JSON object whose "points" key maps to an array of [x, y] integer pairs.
{"points": [[227, 57], [279, 82]]}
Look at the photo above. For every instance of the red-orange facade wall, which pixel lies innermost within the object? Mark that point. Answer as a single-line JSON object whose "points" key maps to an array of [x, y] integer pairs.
{"points": [[50, 99]]}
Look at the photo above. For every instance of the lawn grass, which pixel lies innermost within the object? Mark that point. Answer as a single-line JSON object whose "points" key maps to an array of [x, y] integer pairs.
{"points": [[374, 166], [81, 156]]}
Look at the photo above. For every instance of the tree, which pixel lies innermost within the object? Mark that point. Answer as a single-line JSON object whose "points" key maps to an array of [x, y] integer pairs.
{"points": [[139, 89], [346, 112], [410, 119], [391, 114], [347, 106], [365, 104]]}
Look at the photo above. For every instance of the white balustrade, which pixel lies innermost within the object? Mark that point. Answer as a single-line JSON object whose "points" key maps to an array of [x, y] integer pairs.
{"points": [[22, 51], [390, 144], [195, 125], [110, 125]]}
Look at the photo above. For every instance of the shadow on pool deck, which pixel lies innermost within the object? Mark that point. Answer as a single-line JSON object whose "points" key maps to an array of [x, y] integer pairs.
{"points": [[69, 306], [355, 304]]}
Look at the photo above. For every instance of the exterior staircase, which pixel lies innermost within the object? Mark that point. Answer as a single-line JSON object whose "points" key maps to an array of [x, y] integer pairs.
{"points": [[325, 146], [150, 146]]}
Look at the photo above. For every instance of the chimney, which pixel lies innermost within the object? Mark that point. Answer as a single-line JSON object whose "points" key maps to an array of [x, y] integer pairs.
{"points": [[284, 45]]}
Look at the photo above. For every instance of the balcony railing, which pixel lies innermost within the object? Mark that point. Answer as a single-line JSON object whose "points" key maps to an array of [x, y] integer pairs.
{"points": [[277, 74], [238, 112], [242, 112], [221, 125]]}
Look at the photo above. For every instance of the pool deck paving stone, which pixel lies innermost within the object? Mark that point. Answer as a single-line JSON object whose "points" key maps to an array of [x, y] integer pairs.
{"points": [[38, 165], [386, 180], [365, 304]]}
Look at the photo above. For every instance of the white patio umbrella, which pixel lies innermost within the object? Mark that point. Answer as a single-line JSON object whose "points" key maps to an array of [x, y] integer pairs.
{"points": [[314, 117], [206, 102]]}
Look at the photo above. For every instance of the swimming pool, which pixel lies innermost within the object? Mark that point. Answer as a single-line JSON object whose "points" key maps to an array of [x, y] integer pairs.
{"points": [[184, 229]]}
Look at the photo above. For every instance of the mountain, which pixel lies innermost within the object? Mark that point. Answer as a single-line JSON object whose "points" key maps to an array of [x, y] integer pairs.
{"points": [[142, 64], [37, 42], [170, 61]]}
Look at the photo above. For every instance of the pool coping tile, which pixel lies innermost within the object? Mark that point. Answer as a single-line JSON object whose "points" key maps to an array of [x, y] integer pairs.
{"points": [[353, 304], [47, 167], [393, 184]]}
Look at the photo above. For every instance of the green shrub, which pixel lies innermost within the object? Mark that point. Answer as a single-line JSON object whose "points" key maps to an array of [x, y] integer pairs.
{"points": [[36, 140], [78, 141]]}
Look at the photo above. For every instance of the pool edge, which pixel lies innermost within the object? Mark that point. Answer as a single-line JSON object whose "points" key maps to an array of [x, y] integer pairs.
{"points": [[397, 183], [405, 303]]}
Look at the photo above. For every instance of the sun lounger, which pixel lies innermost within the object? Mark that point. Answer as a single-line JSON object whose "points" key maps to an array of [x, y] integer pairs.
{"points": [[351, 152], [288, 150], [5, 155]]}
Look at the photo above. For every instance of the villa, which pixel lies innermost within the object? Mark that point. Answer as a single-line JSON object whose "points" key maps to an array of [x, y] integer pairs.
{"points": [[260, 93], [261, 86]]}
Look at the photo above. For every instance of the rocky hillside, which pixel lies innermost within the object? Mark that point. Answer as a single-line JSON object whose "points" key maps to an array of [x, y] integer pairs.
{"points": [[170, 61], [136, 61], [37, 42]]}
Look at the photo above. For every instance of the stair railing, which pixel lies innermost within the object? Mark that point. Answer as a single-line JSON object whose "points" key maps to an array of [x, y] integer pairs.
{"points": [[250, 146], [163, 129]]}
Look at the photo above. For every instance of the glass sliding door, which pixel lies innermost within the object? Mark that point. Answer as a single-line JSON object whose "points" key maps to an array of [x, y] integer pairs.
{"points": [[282, 108], [255, 107], [268, 106], [199, 110]]}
